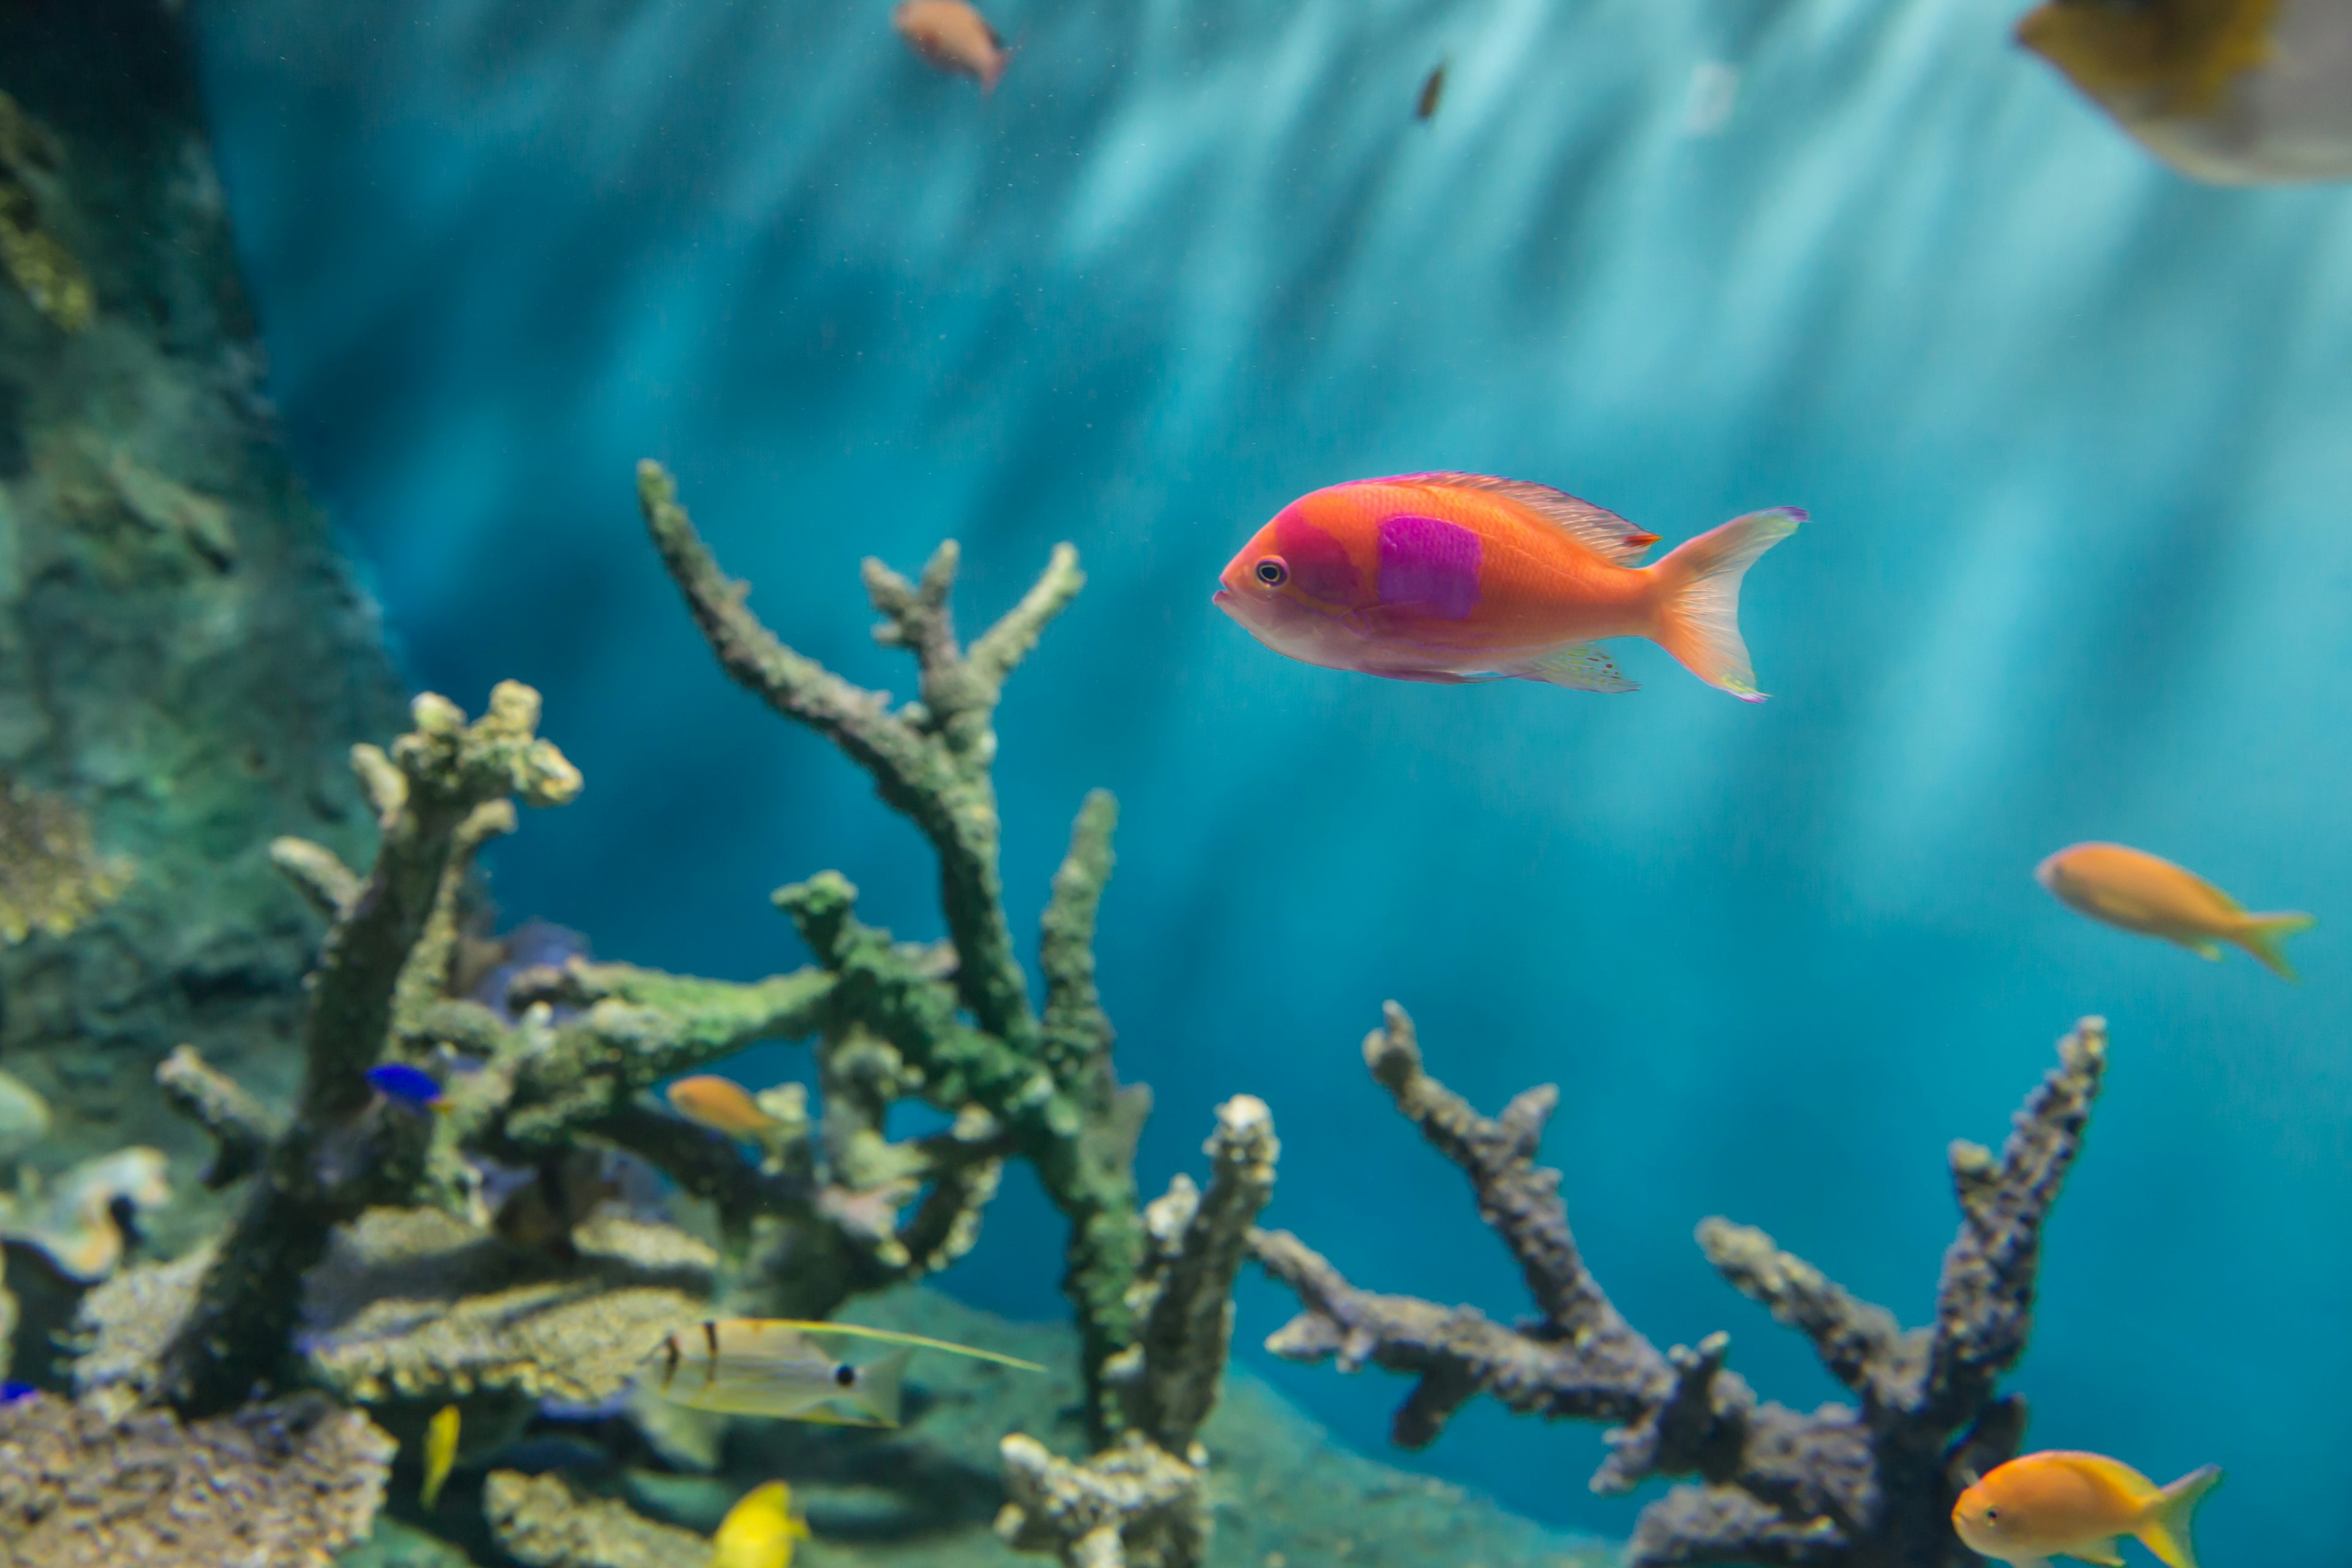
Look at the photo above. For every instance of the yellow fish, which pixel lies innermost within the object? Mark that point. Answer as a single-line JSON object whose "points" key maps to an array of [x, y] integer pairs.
{"points": [[2235, 92], [722, 1105], [2136, 892], [2075, 1505], [791, 1371], [440, 1453], [759, 1530]]}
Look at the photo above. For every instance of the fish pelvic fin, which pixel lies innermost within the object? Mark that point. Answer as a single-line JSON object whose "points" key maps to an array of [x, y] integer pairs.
{"points": [[880, 1385], [2263, 936], [1581, 667], [2164, 1528], [1697, 614]]}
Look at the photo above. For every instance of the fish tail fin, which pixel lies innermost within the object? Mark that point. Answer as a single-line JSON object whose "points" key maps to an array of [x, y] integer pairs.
{"points": [[2263, 936], [1697, 617], [879, 1386], [2163, 1527]]}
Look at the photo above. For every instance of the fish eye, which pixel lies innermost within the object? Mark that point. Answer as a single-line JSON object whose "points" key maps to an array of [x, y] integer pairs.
{"points": [[1991, 1514], [1273, 571], [845, 1376]]}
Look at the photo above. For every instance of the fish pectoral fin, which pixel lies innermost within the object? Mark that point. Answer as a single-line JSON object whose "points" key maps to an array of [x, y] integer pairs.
{"points": [[2102, 1552], [1581, 667]]}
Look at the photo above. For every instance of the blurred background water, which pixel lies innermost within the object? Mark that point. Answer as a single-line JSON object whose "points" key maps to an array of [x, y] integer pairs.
{"points": [[2077, 436]]}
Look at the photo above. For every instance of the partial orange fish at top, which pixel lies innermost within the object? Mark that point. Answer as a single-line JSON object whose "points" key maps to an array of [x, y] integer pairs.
{"points": [[1454, 577], [951, 37], [2136, 892], [2059, 1503]]}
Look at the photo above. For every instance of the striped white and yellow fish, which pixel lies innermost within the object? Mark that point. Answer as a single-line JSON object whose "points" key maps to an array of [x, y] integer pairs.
{"points": [[794, 1371], [2234, 92]]}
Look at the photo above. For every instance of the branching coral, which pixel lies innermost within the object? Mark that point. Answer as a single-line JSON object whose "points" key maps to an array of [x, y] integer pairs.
{"points": [[443, 787], [1140, 1501], [835, 1208], [273, 1486], [1869, 1486]]}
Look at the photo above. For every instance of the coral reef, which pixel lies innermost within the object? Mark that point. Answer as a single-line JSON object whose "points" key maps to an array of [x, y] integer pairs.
{"points": [[53, 281], [441, 790], [1140, 1501], [77, 1222], [273, 1486], [1869, 1486], [184, 659], [52, 877], [549, 1524]]}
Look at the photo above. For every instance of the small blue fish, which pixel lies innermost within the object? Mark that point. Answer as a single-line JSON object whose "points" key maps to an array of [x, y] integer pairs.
{"points": [[11, 1390], [411, 1087]]}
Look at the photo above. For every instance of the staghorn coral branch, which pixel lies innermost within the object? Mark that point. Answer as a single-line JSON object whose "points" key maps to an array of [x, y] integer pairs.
{"points": [[930, 762], [1134, 1500], [1836, 1488], [1141, 1500], [331, 887], [1860, 1343], [424, 977], [1516, 1196], [335, 1159], [1186, 1292], [638, 1027], [241, 1130], [1984, 1301], [1457, 1352], [1078, 1034]]}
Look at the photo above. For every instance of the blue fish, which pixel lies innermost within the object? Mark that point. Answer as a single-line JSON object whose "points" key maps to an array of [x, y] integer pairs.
{"points": [[13, 1391], [410, 1086]]}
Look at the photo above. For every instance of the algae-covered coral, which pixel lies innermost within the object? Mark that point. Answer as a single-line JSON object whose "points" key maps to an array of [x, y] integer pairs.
{"points": [[52, 876], [1869, 1486]]}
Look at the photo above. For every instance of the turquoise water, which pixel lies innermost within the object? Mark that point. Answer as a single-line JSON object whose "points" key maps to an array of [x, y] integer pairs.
{"points": [[2074, 432]]}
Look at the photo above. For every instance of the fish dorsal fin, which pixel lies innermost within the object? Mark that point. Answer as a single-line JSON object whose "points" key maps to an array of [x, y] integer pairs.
{"points": [[1598, 529], [818, 1332]]}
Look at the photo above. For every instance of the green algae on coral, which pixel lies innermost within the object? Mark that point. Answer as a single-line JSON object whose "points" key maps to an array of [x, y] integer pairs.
{"points": [[52, 877], [33, 257]]}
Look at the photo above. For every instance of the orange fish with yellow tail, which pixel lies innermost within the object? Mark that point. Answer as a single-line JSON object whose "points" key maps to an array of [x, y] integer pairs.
{"points": [[1456, 578], [2136, 892], [2062, 1504]]}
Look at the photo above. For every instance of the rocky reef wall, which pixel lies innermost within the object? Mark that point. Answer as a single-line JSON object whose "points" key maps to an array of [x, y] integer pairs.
{"points": [[186, 660]]}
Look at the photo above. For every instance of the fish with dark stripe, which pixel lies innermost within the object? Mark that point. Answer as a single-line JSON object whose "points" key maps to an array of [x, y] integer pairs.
{"points": [[794, 1371]]}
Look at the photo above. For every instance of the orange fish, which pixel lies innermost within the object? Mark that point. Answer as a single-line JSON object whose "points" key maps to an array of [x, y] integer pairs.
{"points": [[951, 37], [2075, 1505], [1456, 577], [2136, 892], [722, 1105]]}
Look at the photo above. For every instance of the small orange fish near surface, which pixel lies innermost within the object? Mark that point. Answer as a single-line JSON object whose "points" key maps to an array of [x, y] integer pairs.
{"points": [[2136, 892], [951, 37], [2054, 1504], [1456, 577], [720, 1104]]}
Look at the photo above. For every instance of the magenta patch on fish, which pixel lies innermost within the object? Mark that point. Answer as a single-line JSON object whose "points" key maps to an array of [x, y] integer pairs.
{"points": [[1429, 566], [1319, 562]]}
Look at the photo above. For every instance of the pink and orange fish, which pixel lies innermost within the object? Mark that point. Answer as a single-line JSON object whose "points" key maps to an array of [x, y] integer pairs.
{"points": [[1459, 577]]}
